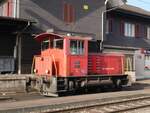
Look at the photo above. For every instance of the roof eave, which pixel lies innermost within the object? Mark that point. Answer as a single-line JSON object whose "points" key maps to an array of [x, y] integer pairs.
{"points": [[132, 13]]}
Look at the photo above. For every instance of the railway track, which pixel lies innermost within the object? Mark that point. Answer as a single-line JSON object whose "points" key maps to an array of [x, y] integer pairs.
{"points": [[116, 107], [98, 106]]}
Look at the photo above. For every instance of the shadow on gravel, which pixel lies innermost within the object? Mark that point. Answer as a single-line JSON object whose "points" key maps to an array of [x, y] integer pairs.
{"points": [[90, 90], [107, 88], [93, 90], [137, 86]]}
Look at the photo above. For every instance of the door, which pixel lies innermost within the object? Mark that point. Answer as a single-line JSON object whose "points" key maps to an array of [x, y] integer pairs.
{"points": [[78, 58]]}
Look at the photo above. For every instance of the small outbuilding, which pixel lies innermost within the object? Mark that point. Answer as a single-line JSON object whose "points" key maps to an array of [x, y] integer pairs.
{"points": [[11, 33]]}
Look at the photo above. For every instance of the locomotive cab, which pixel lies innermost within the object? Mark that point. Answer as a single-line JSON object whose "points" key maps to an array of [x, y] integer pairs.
{"points": [[62, 56]]}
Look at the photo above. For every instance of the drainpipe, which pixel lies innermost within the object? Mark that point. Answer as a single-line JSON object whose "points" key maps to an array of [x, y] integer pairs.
{"points": [[102, 39], [17, 8], [17, 49]]}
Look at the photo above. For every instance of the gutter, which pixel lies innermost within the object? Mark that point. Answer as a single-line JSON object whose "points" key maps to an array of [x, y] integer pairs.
{"points": [[121, 47], [133, 13]]}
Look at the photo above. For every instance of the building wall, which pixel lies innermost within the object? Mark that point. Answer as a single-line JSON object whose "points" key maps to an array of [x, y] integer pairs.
{"points": [[50, 14], [140, 65], [116, 41], [116, 38], [8, 8]]}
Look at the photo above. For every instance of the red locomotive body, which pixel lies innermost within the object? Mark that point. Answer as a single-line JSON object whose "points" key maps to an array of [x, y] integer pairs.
{"points": [[65, 64], [108, 64]]}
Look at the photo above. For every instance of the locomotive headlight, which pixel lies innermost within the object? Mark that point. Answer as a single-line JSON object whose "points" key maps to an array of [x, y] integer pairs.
{"points": [[41, 58], [35, 70], [47, 71]]}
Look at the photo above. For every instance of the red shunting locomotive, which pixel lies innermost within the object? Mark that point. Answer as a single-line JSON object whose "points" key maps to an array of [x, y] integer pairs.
{"points": [[66, 65]]}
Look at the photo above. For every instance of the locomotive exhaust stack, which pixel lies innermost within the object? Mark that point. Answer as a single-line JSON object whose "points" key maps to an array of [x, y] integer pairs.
{"points": [[65, 64]]}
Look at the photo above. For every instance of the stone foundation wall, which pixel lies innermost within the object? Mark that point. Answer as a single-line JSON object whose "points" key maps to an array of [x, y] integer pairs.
{"points": [[12, 83]]}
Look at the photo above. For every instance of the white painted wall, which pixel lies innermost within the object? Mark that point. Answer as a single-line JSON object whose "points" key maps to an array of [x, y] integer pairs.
{"points": [[140, 71]]}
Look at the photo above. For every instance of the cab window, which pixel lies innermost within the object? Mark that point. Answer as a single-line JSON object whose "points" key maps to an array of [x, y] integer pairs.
{"points": [[45, 44], [54, 43], [58, 43], [77, 47]]}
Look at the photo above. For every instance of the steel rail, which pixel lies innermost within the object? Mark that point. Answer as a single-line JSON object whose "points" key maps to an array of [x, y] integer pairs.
{"points": [[105, 104]]}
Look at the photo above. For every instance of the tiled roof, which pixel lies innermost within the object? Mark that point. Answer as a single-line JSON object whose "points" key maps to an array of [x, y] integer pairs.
{"points": [[134, 9]]}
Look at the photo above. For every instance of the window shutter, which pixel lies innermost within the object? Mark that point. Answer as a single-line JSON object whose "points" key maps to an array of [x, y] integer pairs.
{"points": [[8, 8], [110, 25], [71, 14], [65, 12], [68, 13], [5, 9], [137, 30], [145, 31], [122, 27]]}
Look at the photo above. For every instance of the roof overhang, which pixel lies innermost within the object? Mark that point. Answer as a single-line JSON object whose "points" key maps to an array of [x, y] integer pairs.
{"points": [[133, 13], [121, 47], [43, 36], [132, 10], [13, 25]]}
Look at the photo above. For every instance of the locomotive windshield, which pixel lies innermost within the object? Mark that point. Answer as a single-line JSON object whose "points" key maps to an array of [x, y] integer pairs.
{"points": [[54, 43], [58, 43], [45, 44], [77, 47]]}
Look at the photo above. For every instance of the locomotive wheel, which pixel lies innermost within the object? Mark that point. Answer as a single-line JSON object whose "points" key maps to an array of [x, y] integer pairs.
{"points": [[71, 85], [117, 83]]}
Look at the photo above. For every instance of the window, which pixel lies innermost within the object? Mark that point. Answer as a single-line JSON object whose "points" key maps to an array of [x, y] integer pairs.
{"points": [[8, 9], [55, 43], [129, 29], [45, 44], [68, 13], [137, 30], [77, 47], [129, 63], [147, 62], [108, 26], [148, 33], [58, 43]]}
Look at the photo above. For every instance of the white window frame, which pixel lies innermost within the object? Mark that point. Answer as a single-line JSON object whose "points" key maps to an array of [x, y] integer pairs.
{"points": [[129, 62], [147, 62], [107, 26], [77, 48], [14, 9], [148, 33], [129, 29]]}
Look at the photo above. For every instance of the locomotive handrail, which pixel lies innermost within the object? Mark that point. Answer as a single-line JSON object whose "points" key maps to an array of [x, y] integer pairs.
{"points": [[55, 65], [33, 62]]}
